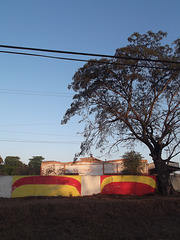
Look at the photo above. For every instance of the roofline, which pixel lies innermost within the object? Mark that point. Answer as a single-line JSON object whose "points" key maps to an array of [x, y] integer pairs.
{"points": [[122, 160], [100, 161]]}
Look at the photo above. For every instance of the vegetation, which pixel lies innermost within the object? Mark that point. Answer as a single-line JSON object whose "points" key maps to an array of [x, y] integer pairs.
{"points": [[133, 164], [23, 170], [13, 166], [35, 164], [1, 160], [132, 97], [1, 165]]}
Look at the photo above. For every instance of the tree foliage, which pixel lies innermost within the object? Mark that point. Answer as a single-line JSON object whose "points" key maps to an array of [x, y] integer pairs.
{"points": [[1, 160], [132, 97], [35, 165], [11, 164], [1, 166], [23, 170], [133, 164]]}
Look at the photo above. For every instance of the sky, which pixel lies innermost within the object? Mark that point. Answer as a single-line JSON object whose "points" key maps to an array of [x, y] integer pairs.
{"points": [[34, 91]]}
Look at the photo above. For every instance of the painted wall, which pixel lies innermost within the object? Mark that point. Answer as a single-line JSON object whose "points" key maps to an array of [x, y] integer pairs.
{"points": [[5, 186], [68, 185], [23, 186], [127, 184]]}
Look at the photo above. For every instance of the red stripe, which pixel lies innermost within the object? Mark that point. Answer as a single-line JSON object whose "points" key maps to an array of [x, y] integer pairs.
{"points": [[129, 188], [47, 180]]}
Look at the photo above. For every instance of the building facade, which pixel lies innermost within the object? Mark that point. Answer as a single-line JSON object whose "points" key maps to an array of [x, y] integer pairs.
{"points": [[87, 166]]}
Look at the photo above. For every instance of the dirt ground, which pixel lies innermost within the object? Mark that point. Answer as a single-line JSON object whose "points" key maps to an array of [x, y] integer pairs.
{"points": [[89, 218]]}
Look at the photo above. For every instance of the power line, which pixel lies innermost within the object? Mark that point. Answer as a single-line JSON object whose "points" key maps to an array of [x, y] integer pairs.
{"points": [[86, 54], [32, 124], [93, 61], [42, 134], [28, 124], [38, 93], [45, 56], [34, 141]]}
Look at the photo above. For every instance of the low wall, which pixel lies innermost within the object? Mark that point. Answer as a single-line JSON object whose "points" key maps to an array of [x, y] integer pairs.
{"points": [[23, 186], [90, 185], [175, 180], [127, 184], [68, 185], [53, 168], [5, 186]]}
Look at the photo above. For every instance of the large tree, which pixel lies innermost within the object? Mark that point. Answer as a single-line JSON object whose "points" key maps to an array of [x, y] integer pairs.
{"points": [[11, 164], [35, 165], [132, 97]]}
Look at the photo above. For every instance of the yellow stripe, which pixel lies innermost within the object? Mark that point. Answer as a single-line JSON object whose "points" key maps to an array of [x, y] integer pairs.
{"points": [[45, 190], [139, 179], [15, 178]]}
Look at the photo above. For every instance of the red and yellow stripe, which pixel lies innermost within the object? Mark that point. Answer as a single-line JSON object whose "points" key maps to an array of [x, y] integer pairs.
{"points": [[127, 184], [24, 186]]}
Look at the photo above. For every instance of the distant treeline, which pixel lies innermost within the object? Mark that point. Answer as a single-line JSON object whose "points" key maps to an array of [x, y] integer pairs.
{"points": [[13, 166]]}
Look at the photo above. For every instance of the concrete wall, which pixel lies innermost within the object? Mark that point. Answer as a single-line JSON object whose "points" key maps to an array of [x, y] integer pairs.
{"points": [[128, 184], [48, 169], [68, 185], [5, 186], [175, 180], [90, 185], [24, 186], [85, 168]]}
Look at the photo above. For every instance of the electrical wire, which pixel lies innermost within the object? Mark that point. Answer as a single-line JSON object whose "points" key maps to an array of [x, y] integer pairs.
{"points": [[86, 54], [94, 61], [42, 134], [32, 124], [36, 141], [28, 124], [38, 93], [45, 56]]}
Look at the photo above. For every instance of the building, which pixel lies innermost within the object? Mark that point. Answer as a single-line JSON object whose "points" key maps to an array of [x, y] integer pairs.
{"points": [[172, 166], [86, 166]]}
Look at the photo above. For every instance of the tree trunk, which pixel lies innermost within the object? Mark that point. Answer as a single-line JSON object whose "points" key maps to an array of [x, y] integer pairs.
{"points": [[163, 178], [163, 172]]}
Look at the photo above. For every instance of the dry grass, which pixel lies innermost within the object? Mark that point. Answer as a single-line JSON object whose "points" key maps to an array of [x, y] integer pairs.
{"points": [[96, 217]]}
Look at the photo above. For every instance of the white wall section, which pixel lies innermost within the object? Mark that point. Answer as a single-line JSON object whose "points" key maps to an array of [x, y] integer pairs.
{"points": [[5, 186], [90, 185]]}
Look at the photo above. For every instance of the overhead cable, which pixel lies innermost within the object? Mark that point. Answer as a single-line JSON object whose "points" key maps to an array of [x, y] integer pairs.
{"points": [[86, 54], [36, 93], [37, 133], [27, 124], [34, 141], [87, 60]]}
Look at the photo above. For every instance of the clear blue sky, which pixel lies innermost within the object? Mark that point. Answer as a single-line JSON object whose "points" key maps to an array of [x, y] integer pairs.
{"points": [[30, 121]]}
